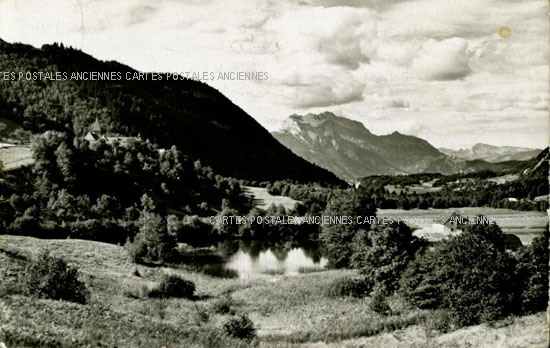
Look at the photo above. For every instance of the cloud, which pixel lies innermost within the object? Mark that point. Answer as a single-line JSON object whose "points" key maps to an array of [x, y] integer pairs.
{"points": [[377, 4], [442, 60], [398, 103], [140, 14], [342, 44], [323, 91]]}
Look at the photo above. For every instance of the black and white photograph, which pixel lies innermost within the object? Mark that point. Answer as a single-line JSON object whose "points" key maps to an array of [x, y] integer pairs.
{"points": [[274, 174]]}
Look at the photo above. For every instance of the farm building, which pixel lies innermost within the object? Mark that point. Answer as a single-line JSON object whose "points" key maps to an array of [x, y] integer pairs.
{"points": [[95, 134]]}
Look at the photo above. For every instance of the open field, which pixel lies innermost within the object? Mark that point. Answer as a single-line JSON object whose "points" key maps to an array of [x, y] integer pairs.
{"points": [[264, 200], [287, 311], [418, 189], [504, 178], [524, 224], [15, 156]]}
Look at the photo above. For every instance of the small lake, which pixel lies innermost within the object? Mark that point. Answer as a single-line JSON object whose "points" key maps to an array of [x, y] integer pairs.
{"points": [[269, 262], [251, 259]]}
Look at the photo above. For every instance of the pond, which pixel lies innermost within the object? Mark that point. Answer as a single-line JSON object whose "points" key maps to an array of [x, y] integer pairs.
{"points": [[251, 259]]}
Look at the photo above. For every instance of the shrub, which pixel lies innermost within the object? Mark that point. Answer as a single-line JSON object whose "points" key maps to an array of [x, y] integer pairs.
{"points": [[468, 275], [383, 254], [338, 238], [174, 286], [532, 273], [136, 292], [224, 305], [348, 287], [153, 243], [439, 320], [240, 327], [219, 271], [379, 304], [50, 277]]}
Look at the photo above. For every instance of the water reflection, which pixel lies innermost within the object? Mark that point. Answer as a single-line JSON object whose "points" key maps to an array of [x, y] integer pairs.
{"points": [[254, 259], [267, 262]]}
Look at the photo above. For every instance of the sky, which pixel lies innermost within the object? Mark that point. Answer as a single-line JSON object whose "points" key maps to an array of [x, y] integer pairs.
{"points": [[454, 72]]}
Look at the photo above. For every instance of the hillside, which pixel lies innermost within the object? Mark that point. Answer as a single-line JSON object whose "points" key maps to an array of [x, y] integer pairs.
{"points": [[350, 150], [492, 153], [293, 313], [198, 119]]}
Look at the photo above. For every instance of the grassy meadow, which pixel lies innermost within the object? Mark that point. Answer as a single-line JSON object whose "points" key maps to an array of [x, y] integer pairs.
{"points": [[286, 311], [525, 224], [264, 200], [13, 157]]}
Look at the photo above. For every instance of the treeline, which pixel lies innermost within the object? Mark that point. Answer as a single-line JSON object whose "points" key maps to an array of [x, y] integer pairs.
{"points": [[202, 122], [100, 191], [466, 279], [467, 193]]}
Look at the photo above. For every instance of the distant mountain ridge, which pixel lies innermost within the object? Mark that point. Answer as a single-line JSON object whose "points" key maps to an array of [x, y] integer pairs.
{"points": [[198, 119], [350, 150], [493, 154]]}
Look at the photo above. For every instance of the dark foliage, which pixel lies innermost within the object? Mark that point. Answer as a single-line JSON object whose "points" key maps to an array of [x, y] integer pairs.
{"points": [[379, 303], [50, 277], [224, 305], [469, 275], [348, 287], [383, 253], [170, 110], [174, 286], [466, 190], [93, 190], [240, 327], [338, 238], [532, 274]]}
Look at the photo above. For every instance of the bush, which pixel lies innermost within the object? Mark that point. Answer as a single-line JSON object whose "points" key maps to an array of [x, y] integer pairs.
{"points": [[532, 273], [153, 243], [219, 271], [50, 277], [224, 305], [348, 287], [379, 304], [136, 292], [469, 275], [439, 320], [338, 239], [240, 327], [383, 254], [174, 286]]}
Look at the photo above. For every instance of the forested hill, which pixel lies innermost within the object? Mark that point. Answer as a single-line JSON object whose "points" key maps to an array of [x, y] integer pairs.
{"points": [[195, 117]]}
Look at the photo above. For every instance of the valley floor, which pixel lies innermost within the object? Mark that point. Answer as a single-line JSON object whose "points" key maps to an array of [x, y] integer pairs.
{"points": [[287, 311]]}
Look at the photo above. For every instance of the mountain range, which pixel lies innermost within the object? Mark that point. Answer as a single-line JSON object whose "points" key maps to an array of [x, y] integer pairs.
{"points": [[351, 151], [195, 117], [493, 154]]}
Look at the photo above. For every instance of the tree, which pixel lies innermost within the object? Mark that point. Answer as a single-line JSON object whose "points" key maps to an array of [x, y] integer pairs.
{"points": [[338, 238], [383, 253], [469, 275], [532, 272], [152, 243], [51, 277], [4, 131]]}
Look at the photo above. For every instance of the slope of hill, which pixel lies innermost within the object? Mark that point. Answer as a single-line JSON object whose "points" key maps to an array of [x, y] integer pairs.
{"points": [[198, 119], [350, 150], [294, 313], [492, 153]]}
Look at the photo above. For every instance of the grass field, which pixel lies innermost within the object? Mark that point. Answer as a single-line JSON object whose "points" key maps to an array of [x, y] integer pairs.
{"points": [[287, 311], [15, 156], [264, 199], [524, 224]]}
